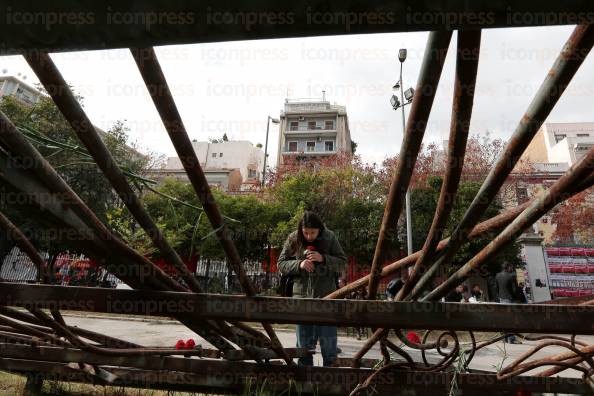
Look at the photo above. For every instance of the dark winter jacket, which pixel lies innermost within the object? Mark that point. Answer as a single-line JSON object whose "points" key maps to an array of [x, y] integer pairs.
{"points": [[322, 281], [507, 286]]}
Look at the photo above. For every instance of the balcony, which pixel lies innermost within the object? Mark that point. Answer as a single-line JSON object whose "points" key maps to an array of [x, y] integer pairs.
{"points": [[306, 132], [309, 153]]}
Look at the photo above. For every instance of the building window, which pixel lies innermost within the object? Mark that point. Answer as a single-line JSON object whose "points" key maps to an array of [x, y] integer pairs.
{"points": [[521, 194], [221, 154], [294, 126], [559, 137], [329, 125], [251, 173], [583, 134], [311, 146], [214, 155], [311, 125], [329, 146], [293, 147]]}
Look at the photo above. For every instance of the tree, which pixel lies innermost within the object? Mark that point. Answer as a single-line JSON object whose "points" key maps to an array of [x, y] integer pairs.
{"points": [[346, 195], [50, 133], [353, 146], [574, 220], [423, 204], [250, 221]]}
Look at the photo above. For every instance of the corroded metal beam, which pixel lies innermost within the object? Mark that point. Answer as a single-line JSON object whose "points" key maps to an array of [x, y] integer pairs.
{"points": [[235, 377], [424, 315], [433, 60], [572, 55], [156, 83], [76, 25]]}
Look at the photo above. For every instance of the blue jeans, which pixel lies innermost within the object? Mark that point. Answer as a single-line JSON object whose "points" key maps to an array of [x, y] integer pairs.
{"points": [[308, 336]]}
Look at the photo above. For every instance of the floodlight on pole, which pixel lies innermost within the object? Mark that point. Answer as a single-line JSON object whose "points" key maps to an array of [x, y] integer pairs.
{"points": [[408, 94], [396, 103]]}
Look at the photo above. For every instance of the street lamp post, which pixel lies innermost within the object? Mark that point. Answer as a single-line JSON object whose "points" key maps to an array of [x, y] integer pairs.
{"points": [[274, 121], [395, 105]]}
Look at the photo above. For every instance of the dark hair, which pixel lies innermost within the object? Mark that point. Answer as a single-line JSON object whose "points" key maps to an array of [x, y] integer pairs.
{"points": [[308, 220]]}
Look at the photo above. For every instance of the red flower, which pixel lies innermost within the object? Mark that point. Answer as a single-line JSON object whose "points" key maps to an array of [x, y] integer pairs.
{"points": [[190, 344], [180, 344], [413, 337]]}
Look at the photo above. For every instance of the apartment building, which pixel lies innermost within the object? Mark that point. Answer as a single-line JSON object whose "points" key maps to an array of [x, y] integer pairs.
{"points": [[10, 85], [564, 142], [230, 165], [311, 129]]}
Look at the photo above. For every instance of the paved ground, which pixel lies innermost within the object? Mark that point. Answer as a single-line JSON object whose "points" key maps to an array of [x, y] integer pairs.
{"points": [[166, 333]]}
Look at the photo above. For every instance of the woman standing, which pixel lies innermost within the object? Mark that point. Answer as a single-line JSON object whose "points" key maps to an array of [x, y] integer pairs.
{"points": [[313, 256]]}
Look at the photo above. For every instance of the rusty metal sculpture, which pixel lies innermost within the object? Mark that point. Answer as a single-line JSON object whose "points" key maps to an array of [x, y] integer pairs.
{"points": [[42, 346]]}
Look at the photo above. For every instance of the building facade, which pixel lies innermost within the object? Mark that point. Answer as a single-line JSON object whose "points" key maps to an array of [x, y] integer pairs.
{"points": [[554, 149], [10, 85], [225, 179], [240, 154], [230, 165], [561, 143], [312, 129]]}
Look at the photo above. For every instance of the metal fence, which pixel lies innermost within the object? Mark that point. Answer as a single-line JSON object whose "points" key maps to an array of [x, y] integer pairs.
{"points": [[78, 270]]}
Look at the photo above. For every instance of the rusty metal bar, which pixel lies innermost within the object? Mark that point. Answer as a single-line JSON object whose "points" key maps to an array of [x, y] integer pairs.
{"points": [[156, 83], [430, 273], [481, 229], [566, 65], [467, 59], [57, 211], [167, 22], [232, 377], [547, 201], [56, 86], [579, 184], [16, 235], [433, 60], [26, 329], [368, 313], [62, 95], [122, 260], [20, 147], [493, 224], [487, 226], [145, 357], [149, 274]]}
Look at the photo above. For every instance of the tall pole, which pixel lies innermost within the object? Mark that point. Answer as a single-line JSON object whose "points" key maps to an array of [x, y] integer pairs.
{"points": [[409, 240], [265, 150]]}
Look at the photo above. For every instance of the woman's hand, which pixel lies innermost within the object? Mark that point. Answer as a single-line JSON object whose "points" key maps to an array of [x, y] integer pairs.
{"points": [[307, 265], [315, 256]]}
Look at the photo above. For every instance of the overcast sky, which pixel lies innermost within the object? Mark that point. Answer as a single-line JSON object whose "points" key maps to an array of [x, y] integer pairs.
{"points": [[232, 87]]}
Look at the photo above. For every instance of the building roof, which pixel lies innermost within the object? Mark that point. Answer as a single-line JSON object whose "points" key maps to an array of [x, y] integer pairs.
{"points": [[312, 106], [21, 82]]}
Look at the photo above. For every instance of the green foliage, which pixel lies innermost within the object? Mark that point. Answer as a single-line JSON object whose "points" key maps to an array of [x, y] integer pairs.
{"points": [[50, 133], [423, 204], [250, 221], [347, 197]]}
